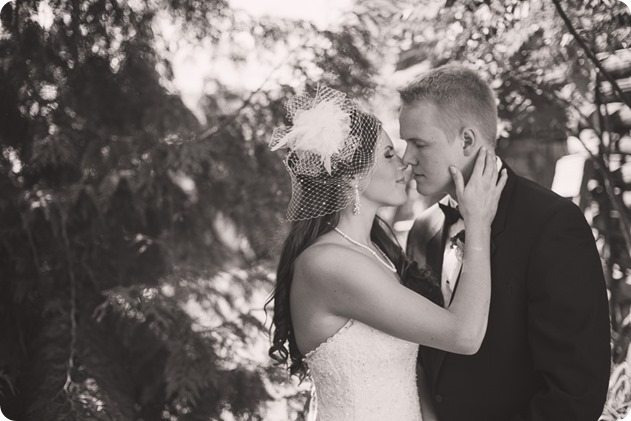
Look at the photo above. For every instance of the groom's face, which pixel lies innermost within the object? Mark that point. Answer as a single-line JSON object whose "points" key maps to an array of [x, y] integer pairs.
{"points": [[430, 149]]}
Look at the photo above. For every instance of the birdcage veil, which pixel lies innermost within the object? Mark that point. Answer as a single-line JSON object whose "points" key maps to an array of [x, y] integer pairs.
{"points": [[331, 152]]}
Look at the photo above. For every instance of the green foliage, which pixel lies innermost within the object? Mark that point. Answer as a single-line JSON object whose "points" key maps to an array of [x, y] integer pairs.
{"points": [[545, 83], [540, 74], [547, 86], [126, 224], [137, 244]]}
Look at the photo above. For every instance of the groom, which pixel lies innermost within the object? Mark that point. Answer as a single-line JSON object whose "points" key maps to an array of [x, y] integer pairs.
{"points": [[545, 356]]}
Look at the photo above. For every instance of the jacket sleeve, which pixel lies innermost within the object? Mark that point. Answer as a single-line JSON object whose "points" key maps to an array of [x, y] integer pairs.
{"points": [[568, 321]]}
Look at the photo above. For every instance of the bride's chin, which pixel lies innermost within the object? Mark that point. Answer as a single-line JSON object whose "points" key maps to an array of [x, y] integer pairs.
{"points": [[393, 201], [403, 199], [397, 202]]}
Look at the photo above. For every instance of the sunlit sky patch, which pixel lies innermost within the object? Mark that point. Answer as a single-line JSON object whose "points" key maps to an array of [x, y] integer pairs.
{"points": [[195, 65], [44, 16], [321, 12]]}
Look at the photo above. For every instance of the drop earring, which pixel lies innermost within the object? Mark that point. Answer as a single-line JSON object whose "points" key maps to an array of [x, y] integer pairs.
{"points": [[357, 204]]}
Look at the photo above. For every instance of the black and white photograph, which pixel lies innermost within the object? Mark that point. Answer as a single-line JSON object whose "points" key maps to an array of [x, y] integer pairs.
{"points": [[325, 210]]}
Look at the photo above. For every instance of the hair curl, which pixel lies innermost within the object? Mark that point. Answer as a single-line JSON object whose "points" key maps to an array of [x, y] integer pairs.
{"points": [[303, 234]]}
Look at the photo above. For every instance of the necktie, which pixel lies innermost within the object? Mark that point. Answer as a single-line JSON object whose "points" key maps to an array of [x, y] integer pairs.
{"points": [[451, 214], [460, 236]]}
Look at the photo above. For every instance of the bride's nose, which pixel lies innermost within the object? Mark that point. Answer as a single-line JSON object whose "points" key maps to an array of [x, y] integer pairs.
{"points": [[405, 170]]}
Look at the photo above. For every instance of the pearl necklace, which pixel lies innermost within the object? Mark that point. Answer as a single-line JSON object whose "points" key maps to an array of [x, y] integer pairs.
{"points": [[387, 263]]}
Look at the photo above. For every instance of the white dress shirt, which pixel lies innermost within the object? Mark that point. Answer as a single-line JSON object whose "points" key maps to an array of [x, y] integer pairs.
{"points": [[452, 262], [452, 265]]}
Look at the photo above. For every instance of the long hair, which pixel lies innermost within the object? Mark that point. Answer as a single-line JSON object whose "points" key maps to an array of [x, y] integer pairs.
{"points": [[420, 279], [304, 233]]}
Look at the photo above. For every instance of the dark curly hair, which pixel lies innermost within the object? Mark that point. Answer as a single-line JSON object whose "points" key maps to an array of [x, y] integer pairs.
{"points": [[303, 234]]}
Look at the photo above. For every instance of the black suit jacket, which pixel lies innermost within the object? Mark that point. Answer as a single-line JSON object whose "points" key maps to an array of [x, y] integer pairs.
{"points": [[546, 353]]}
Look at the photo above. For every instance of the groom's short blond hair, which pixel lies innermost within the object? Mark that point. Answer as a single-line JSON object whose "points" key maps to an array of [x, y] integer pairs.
{"points": [[462, 97]]}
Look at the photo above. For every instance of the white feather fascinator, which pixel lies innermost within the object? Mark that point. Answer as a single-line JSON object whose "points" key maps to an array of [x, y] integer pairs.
{"points": [[331, 143]]}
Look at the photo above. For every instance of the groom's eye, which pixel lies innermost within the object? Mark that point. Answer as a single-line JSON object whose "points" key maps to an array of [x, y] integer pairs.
{"points": [[418, 143]]}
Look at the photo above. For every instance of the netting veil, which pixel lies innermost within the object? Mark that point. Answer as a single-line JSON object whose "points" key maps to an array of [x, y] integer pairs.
{"points": [[331, 152]]}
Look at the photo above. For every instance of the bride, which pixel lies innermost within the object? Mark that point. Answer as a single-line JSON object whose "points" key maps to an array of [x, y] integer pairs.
{"points": [[349, 307]]}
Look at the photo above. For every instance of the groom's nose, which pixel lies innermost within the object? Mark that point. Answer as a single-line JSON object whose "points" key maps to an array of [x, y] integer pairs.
{"points": [[408, 156]]}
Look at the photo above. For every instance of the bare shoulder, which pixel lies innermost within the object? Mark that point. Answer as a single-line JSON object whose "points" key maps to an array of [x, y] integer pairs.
{"points": [[332, 263], [326, 257]]}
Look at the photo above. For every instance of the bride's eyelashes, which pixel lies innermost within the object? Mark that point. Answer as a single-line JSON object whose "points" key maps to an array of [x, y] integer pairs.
{"points": [[389, 153]]}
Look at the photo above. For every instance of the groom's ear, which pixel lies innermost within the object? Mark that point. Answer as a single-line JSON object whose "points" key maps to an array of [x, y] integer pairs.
{"points": [[469, 139]]}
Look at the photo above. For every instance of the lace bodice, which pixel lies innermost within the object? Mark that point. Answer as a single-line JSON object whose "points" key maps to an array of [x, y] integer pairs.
{"points": [[363, 374]]}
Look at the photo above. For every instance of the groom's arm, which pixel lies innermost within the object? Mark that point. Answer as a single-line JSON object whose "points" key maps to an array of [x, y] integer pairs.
{"points": [[426, 397], [568, 321]]}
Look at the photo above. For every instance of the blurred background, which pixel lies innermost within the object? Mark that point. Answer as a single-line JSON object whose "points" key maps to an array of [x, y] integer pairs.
{"points": [[141, 211]]}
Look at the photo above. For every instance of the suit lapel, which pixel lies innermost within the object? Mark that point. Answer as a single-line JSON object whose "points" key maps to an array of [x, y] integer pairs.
{"points": [[499, 222], [434, 252], [436, 356]]}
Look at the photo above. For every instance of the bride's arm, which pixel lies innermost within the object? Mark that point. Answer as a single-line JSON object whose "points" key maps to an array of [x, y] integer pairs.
{"points": [[478, 208], [353, 285]]}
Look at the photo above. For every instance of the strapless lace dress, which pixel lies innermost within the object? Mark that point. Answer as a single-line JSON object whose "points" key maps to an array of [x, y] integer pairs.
{"points": [[363, 374]]}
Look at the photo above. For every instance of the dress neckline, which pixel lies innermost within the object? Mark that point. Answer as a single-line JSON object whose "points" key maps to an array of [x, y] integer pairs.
{"points": [[330, 339]]}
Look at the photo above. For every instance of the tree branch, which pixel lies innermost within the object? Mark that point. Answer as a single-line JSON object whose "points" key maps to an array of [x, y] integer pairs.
{"points": [[591, 54], [615, 201], [216, 129], [73, 303], [601, 166]]}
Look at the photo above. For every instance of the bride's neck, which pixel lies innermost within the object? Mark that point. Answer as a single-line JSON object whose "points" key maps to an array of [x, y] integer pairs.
{"points": [[357, 226]]}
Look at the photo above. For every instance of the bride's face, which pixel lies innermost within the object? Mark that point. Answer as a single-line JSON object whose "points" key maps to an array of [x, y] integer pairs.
{"points": [[387, 186]]}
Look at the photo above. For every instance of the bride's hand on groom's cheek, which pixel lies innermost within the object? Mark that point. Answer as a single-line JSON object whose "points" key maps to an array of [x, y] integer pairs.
{"points": [[478, 198]]}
